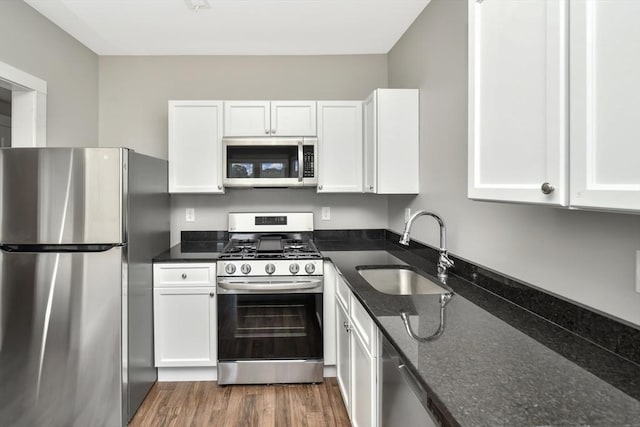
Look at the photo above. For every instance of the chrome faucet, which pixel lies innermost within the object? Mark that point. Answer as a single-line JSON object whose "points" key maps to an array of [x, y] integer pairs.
{"points": [[444, 262]]}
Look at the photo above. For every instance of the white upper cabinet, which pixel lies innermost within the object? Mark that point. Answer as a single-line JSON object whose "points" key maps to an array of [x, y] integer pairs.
{"points": [[391, 142], [195, 147], [340, 146], [604, 96], [269, 118], [518, 101]]}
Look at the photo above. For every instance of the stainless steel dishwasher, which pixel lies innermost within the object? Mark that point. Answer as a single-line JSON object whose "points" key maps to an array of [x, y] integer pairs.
{"points": [[404, 402]]}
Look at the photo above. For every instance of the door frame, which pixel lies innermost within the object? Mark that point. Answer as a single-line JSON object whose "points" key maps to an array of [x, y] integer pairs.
{"points": [[28, 106]]}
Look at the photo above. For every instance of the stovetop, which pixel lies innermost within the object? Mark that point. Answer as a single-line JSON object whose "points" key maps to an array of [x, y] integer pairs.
{"points": [[270, 247]]}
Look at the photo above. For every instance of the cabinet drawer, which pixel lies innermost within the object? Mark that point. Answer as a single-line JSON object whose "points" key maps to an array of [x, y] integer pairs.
{"points": [[364, 326], [188, 275], [343, 292]]}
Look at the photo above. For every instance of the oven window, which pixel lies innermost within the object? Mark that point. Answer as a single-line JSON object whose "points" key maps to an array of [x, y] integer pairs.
{"points": [[263, 326]]}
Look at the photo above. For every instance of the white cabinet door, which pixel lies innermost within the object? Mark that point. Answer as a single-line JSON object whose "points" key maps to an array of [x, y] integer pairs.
{"points": [[604, 98], [185, 326], [329, 313], [247, 118], [391, 142], [342, 353], [195, 147], [369, 144], [340, 146], [293, 118], [269, 118], [518, 101], [364, 392]]}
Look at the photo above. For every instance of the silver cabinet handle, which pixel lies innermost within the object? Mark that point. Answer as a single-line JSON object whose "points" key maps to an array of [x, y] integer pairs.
{"points": [[547, 188], [184, 275], [319, 187], [346, 326], [273, 131], [219, 187], [266, 131], [371, 187], [211, 294]]}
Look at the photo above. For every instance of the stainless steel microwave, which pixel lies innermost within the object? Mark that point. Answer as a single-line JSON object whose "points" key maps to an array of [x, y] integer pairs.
{"points": [[269, 162]]}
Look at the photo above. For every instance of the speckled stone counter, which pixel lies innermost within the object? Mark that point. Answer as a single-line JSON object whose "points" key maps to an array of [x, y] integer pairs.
{"points": [[496, 364]]}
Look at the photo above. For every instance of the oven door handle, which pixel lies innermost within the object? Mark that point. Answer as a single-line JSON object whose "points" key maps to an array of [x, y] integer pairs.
{"points": [[270, 286]]}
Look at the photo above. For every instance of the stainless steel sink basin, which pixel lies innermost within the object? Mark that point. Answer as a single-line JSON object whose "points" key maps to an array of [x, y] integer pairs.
{"points": [[400, 280]]}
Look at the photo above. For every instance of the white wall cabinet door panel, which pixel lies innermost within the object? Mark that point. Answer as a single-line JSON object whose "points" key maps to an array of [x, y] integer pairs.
{"points": [[340, 146], [391, 142], [518, 101], [195, 147], [605, 94], [247, 118], [293, 118], [184, 326], [343, 353]]}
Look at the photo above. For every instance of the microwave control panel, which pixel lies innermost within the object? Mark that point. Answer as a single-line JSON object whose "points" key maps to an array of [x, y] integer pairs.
{"points": [[308, 171]]}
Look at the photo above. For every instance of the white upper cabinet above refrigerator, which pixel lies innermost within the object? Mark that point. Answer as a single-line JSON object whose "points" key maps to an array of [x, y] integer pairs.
{"points": [[518, 101], [269, 118], [605, 99]]}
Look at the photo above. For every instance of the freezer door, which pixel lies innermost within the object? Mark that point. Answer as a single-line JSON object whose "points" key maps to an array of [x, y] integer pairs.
{"points": [[62, 195], [61, 343]]}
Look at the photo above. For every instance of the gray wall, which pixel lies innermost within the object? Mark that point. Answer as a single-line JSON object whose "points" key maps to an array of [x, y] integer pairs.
{"points": [[133, 112], [588, 257], [34, 45]]}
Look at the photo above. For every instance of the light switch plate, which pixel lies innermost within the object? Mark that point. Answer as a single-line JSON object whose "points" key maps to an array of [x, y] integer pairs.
{"points": [[190, 215], [326, 213]]}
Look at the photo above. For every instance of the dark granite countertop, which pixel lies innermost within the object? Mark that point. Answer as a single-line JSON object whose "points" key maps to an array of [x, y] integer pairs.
{"points": [[207, 251], [496, 364]]}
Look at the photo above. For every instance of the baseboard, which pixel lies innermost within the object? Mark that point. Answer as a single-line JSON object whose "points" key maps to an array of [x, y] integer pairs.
{"points": [[330, 371], [204, 373]]}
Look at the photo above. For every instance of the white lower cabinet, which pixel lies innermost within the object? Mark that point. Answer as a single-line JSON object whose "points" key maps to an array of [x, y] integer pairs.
{"points": [[357, 359], [184, 302]]}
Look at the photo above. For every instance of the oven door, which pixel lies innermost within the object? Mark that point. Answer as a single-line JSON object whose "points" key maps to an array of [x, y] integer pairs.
{"points": [[269, 162], [280, 323]]}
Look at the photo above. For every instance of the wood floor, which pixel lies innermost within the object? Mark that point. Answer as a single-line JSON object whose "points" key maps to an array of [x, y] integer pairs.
{"points": [[208, 404]]}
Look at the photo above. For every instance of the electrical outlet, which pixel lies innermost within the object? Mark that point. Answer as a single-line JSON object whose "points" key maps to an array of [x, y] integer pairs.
{"points": [[407, 214], [190, 215], [326, 213], [638, 271]]}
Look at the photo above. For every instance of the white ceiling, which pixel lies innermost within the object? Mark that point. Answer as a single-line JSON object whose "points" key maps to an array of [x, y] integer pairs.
{"points": [[233, 27]]}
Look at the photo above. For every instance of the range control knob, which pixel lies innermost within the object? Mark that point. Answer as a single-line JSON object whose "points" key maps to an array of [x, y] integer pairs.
{"points": [[245, 268], [310, 268], [294, 268], [230, 268], [269, 268]]}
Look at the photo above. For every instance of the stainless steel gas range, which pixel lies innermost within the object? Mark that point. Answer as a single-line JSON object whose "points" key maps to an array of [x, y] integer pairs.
{"points": [[270, 285]]}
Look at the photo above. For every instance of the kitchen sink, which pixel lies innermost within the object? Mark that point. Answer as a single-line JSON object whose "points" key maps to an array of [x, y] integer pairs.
{"points": [[400, 280]]}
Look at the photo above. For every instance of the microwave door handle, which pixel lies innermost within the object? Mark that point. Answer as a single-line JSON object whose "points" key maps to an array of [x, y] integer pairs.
{"points": [[300, 160]]}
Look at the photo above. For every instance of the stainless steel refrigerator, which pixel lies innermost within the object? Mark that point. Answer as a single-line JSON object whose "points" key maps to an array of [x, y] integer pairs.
{"points": [[78, 230]]}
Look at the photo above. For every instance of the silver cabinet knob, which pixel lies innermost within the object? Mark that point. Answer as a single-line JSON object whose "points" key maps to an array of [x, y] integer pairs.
{"points": [[273, 131], [184, 276], [270, 268], [371, 187], [319, 187], [211, 294], [346, 326], [547, 188], [266, 131], [219, 187]]}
